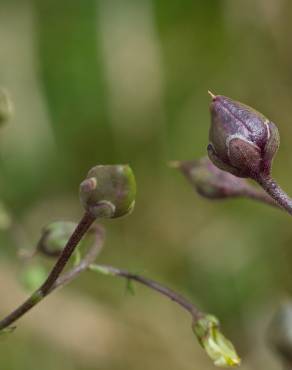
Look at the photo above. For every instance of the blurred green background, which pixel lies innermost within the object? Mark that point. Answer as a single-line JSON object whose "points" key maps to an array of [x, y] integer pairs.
{"points": [[125, 81]]}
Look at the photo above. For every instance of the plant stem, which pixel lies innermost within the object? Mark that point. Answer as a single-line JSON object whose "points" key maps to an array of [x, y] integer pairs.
{"points": [[86, 261], [46, 287], [275, 191], [175, 297]]}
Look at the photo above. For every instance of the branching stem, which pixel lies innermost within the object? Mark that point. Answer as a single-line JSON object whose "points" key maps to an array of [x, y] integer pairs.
{"points": [[52, 280]]}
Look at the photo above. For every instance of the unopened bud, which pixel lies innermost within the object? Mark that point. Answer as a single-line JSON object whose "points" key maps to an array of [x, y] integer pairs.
{"points": [[5, 106], [54, 237], [109, 191], [219, 349], [209, 181], [242, 140]]}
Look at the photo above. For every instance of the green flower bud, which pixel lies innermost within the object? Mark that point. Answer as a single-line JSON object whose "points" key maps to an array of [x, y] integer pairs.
{"points": [[242, 140], [54, 237], [5, 106], [109, 191], [218, 348], [209, 181]]}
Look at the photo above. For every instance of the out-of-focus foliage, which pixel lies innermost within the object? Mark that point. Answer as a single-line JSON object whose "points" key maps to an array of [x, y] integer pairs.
{"points": [[102, 81]]}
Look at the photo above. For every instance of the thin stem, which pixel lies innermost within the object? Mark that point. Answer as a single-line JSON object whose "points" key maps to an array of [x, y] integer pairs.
{"points": [[175, 297], [46, 287], [275, 191]]}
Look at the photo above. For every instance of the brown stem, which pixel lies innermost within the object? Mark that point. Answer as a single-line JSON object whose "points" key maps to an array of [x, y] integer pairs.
{"points": [[275, 191], [46, 287], [175, 297]]}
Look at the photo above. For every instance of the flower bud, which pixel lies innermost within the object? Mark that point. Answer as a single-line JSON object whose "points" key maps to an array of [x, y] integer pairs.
{"points": [[5, 106], [218, 348], [242, 140], [209, 181], [109, 191], [54, 237]]}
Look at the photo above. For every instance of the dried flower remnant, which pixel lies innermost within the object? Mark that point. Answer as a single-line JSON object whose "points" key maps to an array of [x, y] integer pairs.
{"points": [[218, 348]]}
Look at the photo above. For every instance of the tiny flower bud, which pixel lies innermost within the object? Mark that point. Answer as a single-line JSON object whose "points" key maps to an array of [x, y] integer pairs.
{"points": [[5, 106], [209, 181], [218, 348], [109, 191], [54, 237], [242, 140]]}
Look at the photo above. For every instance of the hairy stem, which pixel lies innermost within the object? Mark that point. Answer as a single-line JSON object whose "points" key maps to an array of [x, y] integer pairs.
{"points": [[175, 297], [275, 191], [47, 286]]}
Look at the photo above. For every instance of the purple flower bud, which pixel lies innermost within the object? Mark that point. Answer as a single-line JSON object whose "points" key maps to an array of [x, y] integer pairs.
{"points": [[209, 181], [242, 140]]}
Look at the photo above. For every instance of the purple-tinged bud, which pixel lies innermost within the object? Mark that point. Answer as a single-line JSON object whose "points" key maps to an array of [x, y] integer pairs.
{"points": [[209, 181], [242, 140], [109, 191]]}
